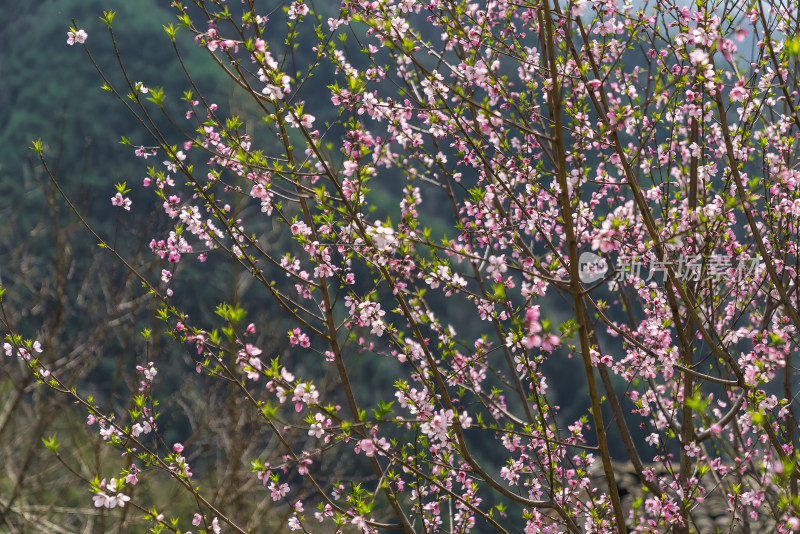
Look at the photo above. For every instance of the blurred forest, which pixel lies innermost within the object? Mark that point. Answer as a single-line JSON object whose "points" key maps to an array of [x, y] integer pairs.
{"points": [[87, 308]]}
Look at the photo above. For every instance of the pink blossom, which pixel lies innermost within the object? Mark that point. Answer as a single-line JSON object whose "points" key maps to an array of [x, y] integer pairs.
{"points": [[123, 202], [278, 492], [297, 9], [738, 93], [76, 36]]}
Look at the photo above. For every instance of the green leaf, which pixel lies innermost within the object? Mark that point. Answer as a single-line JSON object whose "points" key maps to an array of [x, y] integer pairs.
{"points": [[171, 31], [156, 96], [383, 409], [268, 410], [108, 17], [792, 46], [51, 444]]}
